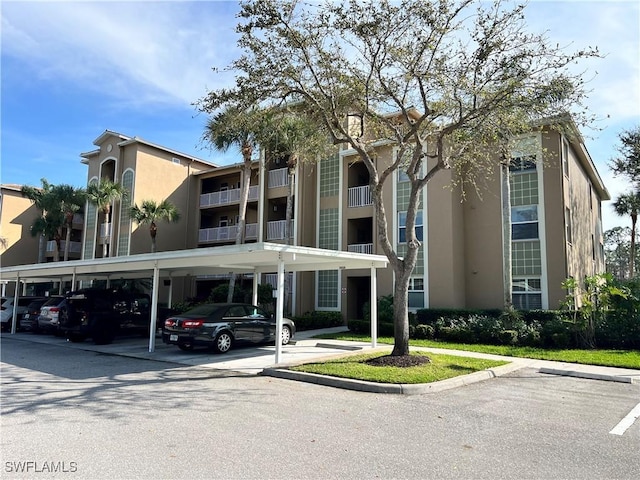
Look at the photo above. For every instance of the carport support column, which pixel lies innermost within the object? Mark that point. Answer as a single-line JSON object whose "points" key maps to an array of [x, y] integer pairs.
{"points": [[374, 308], [279, 308], [154, 309], [14, 315], [254, 295]]}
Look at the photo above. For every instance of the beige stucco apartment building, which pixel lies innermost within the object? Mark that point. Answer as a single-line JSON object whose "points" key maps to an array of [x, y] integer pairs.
{"points": [[556, 196]]}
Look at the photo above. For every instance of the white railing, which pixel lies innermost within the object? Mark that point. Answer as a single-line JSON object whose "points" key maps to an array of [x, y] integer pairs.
{"points": [[360, 196], [105, 230], [74, 247], [221, 234], [275, 230], [360, 248], [226, 197], [278, 178]]}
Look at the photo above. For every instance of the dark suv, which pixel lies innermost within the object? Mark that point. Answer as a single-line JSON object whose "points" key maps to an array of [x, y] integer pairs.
{"points": [[103, 314]]}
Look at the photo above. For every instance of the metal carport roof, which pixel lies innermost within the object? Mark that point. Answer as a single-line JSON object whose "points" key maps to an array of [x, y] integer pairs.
{"points": [[246, 258]]}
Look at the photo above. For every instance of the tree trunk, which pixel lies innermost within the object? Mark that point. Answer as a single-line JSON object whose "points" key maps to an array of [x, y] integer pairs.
{"points": [[242, 213], [506, 236], [288, 226], [153, 232], [42, 248], [67, 241], [401, 314], [634, 219]]}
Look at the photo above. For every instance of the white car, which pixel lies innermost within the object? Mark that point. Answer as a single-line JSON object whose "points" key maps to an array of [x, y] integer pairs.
{"points": [[6, 310]]}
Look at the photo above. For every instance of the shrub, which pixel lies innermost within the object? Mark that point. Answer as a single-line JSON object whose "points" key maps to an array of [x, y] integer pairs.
{"points": [[318, 319], [422, 331], [508, 337], [219, 294], [385, 309]]}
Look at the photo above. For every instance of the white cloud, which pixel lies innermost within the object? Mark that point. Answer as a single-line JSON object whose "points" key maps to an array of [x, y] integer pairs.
{"points": [[137, 52]]}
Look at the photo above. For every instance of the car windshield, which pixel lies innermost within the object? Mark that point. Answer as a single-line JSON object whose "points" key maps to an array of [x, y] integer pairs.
{"points": [[205, 310]]}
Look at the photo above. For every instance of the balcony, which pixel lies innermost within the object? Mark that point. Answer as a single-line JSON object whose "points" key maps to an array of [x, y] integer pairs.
{"points": [[361, 248], [360, 196], [275, 230], [278, 178], [226, 197], [74, 247], [105, 230], [225, 234]]}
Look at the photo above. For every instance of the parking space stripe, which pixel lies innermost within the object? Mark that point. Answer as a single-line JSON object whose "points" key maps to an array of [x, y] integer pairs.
{"points": [[627, 421]]}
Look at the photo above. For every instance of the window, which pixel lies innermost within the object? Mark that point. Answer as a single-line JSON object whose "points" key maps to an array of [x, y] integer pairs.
{"points": [[567, 224], [565, 158], [224, 221], [402, 226], [416, 292], [524, 222], [522, 164], [527, 293]]}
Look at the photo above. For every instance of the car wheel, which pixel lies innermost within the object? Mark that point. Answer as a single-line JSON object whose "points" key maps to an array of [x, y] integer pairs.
{"points": [[76, 337], [222, 343], [286, 335]]}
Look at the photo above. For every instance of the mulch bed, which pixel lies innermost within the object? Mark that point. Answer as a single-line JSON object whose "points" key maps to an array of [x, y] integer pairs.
{"points": [[399, 361]]}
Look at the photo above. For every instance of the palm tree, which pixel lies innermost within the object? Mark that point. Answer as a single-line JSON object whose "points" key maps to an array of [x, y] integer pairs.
{"points": [[235, 127], [102, 195], [41, 198], [629, 204], [70, 200], [291, 136], [150, 212]]}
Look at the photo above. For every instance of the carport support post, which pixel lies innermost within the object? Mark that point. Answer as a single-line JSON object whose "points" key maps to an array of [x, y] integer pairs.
{"points": [[373, 314], [254, 294], [154, 308], [279, 308], [14, 315]]}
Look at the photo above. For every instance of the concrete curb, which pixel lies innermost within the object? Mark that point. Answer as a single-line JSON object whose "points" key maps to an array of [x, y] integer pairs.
{"points": [[589, 375], [404, 389]]}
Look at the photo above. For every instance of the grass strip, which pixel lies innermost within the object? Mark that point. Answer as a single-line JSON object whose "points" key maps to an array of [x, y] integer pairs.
{"points": [[603, 357], [440, 368]]}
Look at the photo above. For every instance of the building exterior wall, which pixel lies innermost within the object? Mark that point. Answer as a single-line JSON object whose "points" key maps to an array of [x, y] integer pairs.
{"points": [[556, 202], [17, 214]]}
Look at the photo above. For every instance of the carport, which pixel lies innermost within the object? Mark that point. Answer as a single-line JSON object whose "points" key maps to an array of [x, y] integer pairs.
{"points": [[251, 258]]}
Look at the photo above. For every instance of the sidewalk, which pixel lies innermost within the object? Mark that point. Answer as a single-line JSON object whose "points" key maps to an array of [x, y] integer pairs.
{"points": [[304, 348]]}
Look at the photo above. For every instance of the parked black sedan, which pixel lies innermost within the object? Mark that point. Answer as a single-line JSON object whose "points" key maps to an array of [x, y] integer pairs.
{"points": [[220, 325]]}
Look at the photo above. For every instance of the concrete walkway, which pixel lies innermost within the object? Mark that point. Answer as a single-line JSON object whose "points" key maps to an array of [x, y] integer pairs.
{"points": [[305, 349]]}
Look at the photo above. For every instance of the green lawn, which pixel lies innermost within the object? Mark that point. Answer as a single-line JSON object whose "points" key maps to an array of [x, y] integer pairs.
{"points": [[440, 368], [607, 358]]}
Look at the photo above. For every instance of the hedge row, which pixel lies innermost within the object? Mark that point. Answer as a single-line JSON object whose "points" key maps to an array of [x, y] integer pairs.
{"points": [[536, 328], [313, 320]]}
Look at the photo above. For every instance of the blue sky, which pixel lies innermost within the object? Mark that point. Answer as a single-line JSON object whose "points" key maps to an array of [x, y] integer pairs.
{"points": [[70, 70]]}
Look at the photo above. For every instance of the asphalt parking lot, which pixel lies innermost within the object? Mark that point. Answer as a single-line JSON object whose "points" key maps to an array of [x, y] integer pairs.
{"points": [[114, 416]]}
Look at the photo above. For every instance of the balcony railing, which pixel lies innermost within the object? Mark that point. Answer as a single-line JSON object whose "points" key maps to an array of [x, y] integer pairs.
{"points": [[360, 196], [360, 248], [223, 234], [275, 230], [278, 178], [105, 230], [226, 197], [74, 247]]}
